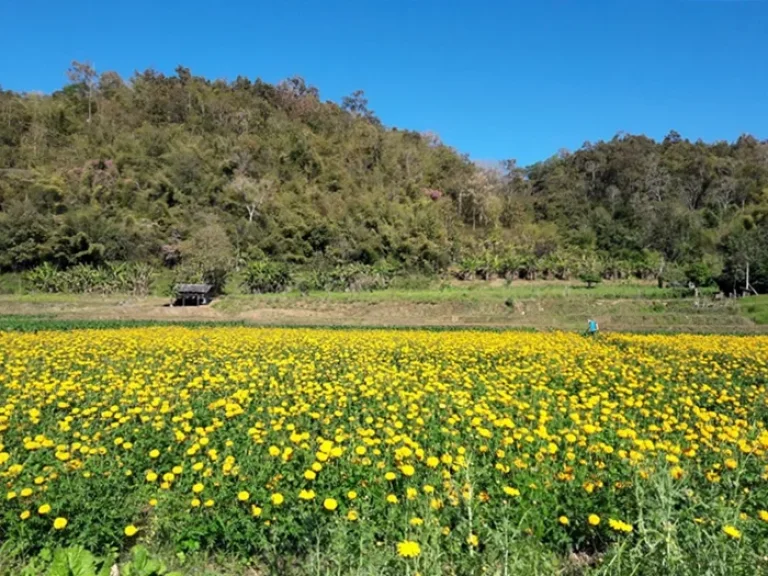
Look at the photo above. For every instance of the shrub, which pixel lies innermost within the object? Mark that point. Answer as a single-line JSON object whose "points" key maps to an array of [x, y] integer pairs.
{"points": [[591, 279], [266, 276], [702, 273], [314, 281], [360, 277], [467, 269]]}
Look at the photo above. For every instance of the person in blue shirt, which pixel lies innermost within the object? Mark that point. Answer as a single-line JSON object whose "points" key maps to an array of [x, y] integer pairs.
{"points": [[592, 327]]}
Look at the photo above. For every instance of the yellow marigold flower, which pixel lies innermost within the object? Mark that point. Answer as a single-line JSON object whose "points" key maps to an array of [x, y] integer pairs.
{"points": [[676, 472], [307, 494], [563, 520], [197, 488], [330, 504], [473, 540], [392, 499], [619, 526], [510, 491], [131, 530], [26, 492], [310, 475], [408, 549], [208, 503], [407, 470], [274, 451], [352, 515], [593, 519], [151, 476], [763, 515], [154, 454], [416, 521], [351, 494], [277, 498], [60, 523], [732, 531], [195, 503], [731, 464], [243, 496], [25, 514], [44, 509], [433, 462], [255, 511], [390, 476], [153, 502]]}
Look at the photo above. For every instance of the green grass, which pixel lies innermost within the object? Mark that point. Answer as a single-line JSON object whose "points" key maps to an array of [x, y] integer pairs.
{"points": [[471, 293], [522, 305], [755, 308], [60, 298]]}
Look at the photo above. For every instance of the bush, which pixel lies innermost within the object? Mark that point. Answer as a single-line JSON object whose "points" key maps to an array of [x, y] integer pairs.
{"points": [[673, 277], [314, 281], [266, 276], [467, 269], [702, 273], [591, 279], [360, 277]]}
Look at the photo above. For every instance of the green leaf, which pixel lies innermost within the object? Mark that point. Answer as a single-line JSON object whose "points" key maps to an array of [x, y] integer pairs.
{"points": [[142, 565], [140, 558], [74, 561], [153, 567]]}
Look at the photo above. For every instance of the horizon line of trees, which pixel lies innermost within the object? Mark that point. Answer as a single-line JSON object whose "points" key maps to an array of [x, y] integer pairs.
{"points": [[172, 171]]}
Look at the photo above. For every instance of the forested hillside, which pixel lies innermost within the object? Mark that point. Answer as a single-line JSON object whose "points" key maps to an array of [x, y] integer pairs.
{"points": [[201, 176]]}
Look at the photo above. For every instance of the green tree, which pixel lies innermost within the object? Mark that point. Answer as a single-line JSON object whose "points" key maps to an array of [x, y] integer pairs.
{"points": [[207, 255]]}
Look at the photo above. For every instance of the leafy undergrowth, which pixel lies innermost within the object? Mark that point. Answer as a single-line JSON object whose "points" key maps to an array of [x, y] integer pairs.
{"points": [[77, 561]]}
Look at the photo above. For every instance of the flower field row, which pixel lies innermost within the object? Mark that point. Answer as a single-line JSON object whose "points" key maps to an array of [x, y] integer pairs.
{"points": [[437, 449]]}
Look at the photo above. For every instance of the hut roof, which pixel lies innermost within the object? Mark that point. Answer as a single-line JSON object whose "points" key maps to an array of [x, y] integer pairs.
{"points": [[192, 288]]}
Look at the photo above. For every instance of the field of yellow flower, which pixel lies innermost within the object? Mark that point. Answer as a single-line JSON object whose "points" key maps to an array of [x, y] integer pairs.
{"points": [[436, 452]]}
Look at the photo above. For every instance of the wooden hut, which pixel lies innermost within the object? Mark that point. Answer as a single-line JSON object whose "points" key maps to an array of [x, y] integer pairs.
{"points": [[192, 294]]}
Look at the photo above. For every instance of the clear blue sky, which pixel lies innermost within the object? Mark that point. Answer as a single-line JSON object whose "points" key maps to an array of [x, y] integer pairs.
{"points": [[494, 78]]}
